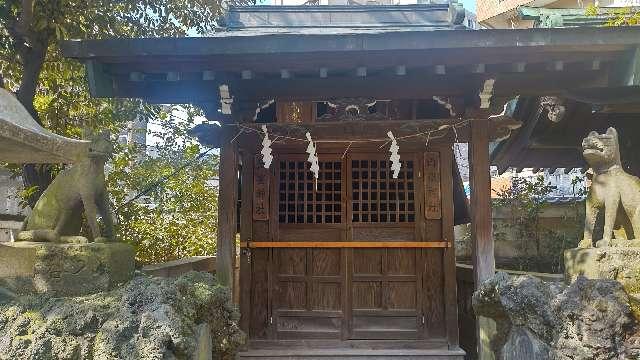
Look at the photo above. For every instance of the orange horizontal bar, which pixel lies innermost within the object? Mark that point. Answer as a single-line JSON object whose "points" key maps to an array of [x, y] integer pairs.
{"points": [[345, 244]]}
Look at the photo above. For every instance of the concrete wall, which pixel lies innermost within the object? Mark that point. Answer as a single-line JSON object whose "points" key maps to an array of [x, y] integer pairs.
{"points": [[564, 219], [560, 227]]}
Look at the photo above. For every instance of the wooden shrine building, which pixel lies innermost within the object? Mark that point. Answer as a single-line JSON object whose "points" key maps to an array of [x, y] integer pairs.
{"points": [[356, 262]]}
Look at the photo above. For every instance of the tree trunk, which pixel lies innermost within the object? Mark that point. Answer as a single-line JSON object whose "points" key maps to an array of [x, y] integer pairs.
{"points": [[33, 57]]}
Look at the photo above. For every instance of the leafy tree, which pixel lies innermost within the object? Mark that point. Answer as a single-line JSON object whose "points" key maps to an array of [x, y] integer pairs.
{"points": [[54, 90], [525, 200], [177, 216], [626, 16]]}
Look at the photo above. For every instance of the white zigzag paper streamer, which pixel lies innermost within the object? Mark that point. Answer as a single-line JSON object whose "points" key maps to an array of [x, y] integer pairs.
{"points": [[267, 158], [395, 157], [313, 159]]}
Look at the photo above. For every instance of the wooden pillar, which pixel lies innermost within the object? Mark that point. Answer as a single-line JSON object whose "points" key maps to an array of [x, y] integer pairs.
{"points": [[480, 180], [449, 261], [481, 223], [246, 235], [227, 202]]}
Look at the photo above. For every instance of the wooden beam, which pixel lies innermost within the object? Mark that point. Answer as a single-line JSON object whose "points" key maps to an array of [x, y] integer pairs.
{"points": [[173, 76], [388, 86], [208, 75], [628, 69], [345, 244], [419, 85], [285, 74], [100, 83], [519, 66], [246, 74], [499, 59], [440, 69], [478, 68], [227, 201]]}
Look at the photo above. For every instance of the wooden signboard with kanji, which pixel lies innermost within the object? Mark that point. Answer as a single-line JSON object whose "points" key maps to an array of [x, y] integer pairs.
{"points": [[433, 197], [261, 194]]}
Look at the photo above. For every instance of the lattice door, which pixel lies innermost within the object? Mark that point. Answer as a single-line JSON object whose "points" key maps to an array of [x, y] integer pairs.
{"points": [[309, 282], [385, 283], [379, 198], [303, 200]]}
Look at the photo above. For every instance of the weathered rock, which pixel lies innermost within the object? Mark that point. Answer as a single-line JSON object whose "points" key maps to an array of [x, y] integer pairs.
{"points": [[148, 318], [595, 320], [614, 263], [590, 319], [64, 269]]}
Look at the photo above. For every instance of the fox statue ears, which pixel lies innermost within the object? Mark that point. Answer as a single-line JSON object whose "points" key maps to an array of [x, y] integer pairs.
{"points": [[610, 132]]}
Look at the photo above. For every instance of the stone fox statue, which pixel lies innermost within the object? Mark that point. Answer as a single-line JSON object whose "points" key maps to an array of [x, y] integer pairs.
{"points": [[57, 216], [613, 190]]}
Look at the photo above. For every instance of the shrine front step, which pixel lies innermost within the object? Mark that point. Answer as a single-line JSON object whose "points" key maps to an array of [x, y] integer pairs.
{"points": [[351, 354]]}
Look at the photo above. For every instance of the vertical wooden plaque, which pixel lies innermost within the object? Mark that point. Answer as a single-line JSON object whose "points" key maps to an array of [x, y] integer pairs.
{"points": [[433, 196], [261, 194]]}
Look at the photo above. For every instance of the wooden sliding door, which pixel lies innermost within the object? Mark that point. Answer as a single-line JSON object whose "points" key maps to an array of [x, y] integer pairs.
{"points": [[385, 283], [308, 292], [348, 293]]}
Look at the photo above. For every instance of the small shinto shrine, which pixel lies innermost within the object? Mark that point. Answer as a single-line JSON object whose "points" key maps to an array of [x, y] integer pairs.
{"points": [[346, 251]]}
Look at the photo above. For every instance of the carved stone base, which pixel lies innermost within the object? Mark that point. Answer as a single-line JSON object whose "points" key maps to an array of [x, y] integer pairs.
{"points": [[64, 269], [621, 263]]}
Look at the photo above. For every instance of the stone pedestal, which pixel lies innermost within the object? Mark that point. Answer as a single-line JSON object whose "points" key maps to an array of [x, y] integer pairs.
{"points": [[615, 263], [64, 269]]}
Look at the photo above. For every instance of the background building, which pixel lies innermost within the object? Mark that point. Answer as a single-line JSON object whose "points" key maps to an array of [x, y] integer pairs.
{"points": [[504, 14]]}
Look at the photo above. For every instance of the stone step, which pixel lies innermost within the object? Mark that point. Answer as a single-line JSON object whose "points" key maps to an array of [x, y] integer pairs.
{"points": [[351, 354]]}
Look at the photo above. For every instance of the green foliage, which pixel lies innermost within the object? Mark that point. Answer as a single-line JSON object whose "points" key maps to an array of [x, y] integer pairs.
{"points": [[591, 10], [538, 245], [525, 201], [54, 90], [627, 16], [177, 217]]}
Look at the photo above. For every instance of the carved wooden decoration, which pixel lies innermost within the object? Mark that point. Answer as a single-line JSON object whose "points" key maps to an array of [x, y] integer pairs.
{"points": [[261, 194], [433, 197], [294, 112], [356, 109]]}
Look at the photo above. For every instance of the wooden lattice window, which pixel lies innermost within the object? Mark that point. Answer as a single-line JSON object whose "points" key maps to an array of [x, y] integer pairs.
{"points": [[300, 203], [379, 198]]}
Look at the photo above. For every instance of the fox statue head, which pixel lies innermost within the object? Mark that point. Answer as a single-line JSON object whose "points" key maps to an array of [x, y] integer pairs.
{"points": [[602, 151]]}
